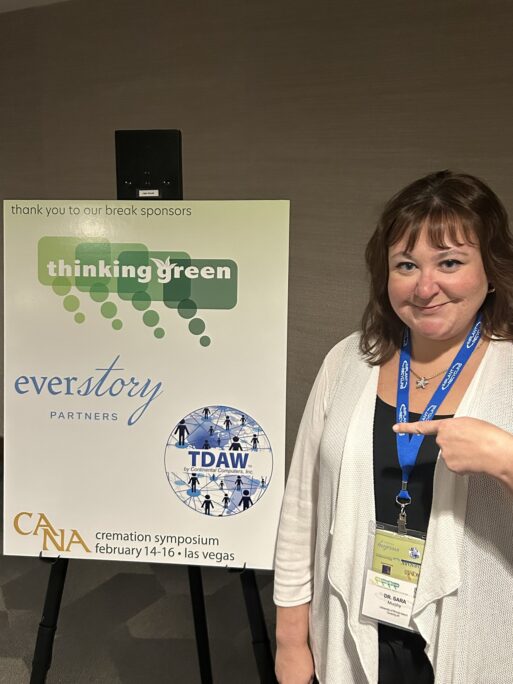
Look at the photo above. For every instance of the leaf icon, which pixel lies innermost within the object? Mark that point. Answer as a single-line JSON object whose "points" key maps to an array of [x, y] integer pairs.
{"points": [[164, 268], [160, 263]]}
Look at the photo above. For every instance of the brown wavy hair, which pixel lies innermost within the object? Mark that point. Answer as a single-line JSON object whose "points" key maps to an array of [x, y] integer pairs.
{"points": [[446, 203]]}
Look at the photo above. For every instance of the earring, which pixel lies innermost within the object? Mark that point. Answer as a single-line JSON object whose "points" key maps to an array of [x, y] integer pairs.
{"points": [[491, 289]]}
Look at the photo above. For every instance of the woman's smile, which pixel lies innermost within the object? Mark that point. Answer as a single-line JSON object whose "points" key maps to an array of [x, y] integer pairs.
{"points": [[429, 308]]}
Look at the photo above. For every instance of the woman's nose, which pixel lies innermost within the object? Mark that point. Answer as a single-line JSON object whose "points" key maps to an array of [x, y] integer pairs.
{"points": [[426, 287]]}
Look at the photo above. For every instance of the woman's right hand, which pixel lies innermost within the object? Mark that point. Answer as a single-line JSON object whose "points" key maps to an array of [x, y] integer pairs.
{"points": [[294, 664]]}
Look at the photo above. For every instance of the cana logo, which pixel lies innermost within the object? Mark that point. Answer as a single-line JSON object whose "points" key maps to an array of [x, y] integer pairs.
{"points": [[451, 375], [39, 525], [429, 412], [404, 374], [403, 417], [474, 335]]}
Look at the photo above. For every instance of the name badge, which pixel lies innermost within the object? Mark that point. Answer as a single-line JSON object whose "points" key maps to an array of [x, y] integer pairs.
{"points": [[392, 576]]}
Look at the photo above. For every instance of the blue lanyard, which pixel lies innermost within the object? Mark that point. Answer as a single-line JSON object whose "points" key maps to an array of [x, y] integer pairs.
{"points": [[408, 446]]}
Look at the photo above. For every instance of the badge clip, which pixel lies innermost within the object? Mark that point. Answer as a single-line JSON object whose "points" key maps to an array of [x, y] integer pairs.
{"points": [[401, 520]]}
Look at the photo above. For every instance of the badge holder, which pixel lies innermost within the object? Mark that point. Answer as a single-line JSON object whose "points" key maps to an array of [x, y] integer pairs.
{"points": [[392, 570]]}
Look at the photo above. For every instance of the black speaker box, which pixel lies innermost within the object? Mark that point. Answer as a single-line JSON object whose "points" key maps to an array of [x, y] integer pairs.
{"points": [[149, 164]]}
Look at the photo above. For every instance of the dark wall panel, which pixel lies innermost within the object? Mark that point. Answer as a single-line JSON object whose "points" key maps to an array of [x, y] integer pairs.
{"points": [[334, 105]]}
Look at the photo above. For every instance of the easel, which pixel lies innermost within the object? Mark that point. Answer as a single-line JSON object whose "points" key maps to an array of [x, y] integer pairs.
{"points": [[260, 640]]}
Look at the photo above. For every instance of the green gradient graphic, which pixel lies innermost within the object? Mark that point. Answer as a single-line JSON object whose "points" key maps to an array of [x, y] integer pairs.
{"points": [[134, 274]]}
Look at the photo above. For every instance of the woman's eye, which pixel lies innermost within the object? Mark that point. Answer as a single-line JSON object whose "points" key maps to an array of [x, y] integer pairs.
{"points": [[450, 263], [406, 266]]}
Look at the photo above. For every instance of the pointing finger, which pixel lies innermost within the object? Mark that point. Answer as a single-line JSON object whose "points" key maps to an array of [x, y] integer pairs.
{"points": [[421, 427]]}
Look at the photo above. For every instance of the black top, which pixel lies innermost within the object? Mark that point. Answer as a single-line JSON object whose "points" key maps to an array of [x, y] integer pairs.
{"points": [[401, 653], [387, 472]]}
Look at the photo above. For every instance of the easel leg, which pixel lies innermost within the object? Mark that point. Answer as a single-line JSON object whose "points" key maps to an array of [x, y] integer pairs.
{"points": [[48, 625], [200, 623], [260, 639]]}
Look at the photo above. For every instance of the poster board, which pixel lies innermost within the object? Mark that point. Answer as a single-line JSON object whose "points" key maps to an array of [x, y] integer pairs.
{"points": [[145, 365]]}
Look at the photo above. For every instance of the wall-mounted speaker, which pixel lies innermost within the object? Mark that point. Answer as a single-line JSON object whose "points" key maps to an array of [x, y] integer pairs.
{"points": [[149, 164]]}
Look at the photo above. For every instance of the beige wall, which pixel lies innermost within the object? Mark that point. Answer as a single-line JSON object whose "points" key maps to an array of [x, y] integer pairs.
{"points": [[334, 105]]}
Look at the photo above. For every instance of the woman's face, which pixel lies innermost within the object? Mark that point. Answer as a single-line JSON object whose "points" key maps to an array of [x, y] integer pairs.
{"points": [[436, 292]]}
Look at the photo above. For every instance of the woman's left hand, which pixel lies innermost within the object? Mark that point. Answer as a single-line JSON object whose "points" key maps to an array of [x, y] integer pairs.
{"points": [[469, 445]]}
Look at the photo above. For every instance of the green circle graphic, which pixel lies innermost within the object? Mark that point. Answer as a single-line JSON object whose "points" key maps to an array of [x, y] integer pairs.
{"points": [[141, 300], [151, 318], [109, 310], [71, 303], [205, 340], [117, 324], [99, 292], [61, 286], [159, 333], [197, 326], [79, 317], [187, 308]]}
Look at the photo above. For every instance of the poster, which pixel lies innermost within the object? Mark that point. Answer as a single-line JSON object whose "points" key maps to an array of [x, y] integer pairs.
{"points": [[145, 363]]}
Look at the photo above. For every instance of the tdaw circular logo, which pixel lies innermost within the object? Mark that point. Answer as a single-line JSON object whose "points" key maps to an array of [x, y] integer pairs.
{"points": [[218, 461]]}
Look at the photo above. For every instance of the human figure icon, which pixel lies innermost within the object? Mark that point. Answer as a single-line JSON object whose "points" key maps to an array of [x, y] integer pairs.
{"points": [[254, 442], [227, 422], [206, 444], [193, 481], [236, 445], [245, 501], [225, 501], [221, 484], [262, 482], [206, 413], [238, 483], [207, 504], [219, 441], [211, 430], [243, 419], [182, 431]]}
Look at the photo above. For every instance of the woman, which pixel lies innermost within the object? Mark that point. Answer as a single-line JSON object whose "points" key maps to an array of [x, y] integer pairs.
{"points": [[441, 266]]}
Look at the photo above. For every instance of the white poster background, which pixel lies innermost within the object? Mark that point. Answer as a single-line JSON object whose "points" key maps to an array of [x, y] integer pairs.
{"points": [[102, 478]]}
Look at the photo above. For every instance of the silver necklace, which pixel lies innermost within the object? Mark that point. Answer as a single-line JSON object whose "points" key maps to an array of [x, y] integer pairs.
{"points": [[422, 382]]}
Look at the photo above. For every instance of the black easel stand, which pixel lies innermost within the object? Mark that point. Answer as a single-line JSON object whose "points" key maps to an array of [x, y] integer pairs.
{"points": [[260, 640], [200, 623], [48, 625]]}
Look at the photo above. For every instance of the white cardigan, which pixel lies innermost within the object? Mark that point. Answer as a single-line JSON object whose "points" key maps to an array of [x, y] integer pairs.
{"points": [[464, 602]]}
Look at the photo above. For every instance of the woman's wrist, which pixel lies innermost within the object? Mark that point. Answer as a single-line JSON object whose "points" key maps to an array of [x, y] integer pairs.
{"points": [[502, 459], [292, 626], [291, 636], [504, 470]]}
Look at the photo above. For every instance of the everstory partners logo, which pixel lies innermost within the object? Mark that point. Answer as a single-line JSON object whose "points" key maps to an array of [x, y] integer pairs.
{"points": [[108, 383], [107, 271]]}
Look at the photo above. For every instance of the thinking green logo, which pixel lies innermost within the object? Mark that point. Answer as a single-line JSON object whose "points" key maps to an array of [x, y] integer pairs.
{"points": [[130, 271]]}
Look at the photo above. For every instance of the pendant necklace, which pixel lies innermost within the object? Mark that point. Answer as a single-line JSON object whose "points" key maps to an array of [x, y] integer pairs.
{"points": [[422, 382]]}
